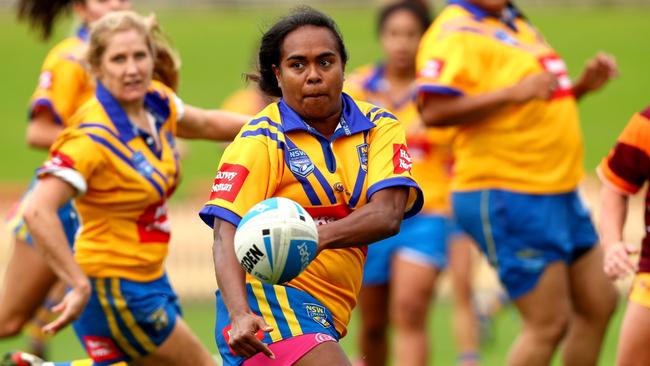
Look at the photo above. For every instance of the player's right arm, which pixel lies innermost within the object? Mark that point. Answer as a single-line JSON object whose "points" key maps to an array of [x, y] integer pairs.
{"points": [[623, 173], [449, 110], [246, 176], [449, 82], [42, 130], [231, 280], [73, 160]]}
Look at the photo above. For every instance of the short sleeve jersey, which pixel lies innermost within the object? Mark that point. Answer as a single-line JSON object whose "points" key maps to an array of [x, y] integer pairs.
{"points": [[534, 147], [278, 155], [64, 83], [627, 168], [123, 180], [430, 148]]}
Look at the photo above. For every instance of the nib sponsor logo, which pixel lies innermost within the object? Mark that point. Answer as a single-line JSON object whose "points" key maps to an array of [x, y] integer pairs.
{"points": [[228, 182], [101, 349]]}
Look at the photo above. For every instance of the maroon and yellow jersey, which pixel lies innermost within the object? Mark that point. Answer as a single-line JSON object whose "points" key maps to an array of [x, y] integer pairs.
{"points": [[627, 168], [277, 154], [123, 176], [64, 83]]}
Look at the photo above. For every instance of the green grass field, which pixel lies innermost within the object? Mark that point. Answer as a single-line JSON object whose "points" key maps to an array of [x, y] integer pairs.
{"points": [[200, 317], [216, 47]]}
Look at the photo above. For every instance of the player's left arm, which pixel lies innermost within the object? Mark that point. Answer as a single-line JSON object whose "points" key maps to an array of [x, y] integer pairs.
{"points": [[379, 219], [198, 123], [597, 72]]}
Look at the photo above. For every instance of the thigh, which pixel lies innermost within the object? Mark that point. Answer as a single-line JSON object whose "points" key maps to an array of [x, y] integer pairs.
{"points": [[635, 332], [548, 304], [27, 282], [592, 292], [181, 348], [411, 297], [460, 265], [373, 306], [325, 354]]}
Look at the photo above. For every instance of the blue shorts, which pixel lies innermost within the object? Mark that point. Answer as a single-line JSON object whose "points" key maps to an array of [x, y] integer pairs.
{"points": [[126, 320], [521, 234], [67, 214], [423, 238], [291, 312]]}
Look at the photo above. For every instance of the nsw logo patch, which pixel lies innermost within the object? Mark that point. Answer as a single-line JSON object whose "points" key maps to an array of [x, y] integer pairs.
{"points": [[362, 151], [300, 163], [318, 314]]}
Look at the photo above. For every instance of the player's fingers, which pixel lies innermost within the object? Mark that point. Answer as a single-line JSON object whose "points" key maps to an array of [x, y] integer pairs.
{"points": [[57, 324], [264, 348], [58, 308], [631, 249]]}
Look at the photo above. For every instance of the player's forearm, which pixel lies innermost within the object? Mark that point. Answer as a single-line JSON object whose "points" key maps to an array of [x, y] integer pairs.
{"points": [[613, 208], [204, 124], [437, 110], [377, 220], [47, 231], [231, 277]]}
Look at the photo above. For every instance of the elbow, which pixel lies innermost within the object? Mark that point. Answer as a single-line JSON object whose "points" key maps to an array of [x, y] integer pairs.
{"points": [[36, 142], [31, 215], [392, 225], [434, 118]]}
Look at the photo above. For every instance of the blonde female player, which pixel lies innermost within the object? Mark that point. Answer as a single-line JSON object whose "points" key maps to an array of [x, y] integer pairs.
{"points": [[64, 85], [345, 161], [118, 160], [420, 250]]}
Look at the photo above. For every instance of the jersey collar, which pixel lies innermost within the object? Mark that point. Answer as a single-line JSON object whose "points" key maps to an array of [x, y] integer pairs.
{"points": [[508, 17], [374, 82], [153, 102], [352, 120]]}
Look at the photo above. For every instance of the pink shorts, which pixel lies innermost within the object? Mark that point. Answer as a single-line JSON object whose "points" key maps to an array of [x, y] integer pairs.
{"points": [[289, 351]]}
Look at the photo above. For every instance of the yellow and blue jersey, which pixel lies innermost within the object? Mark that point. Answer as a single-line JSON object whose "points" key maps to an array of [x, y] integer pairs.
{"points": [[64, 83], [430, 148], [277, 154], [534, 147], [123, 176]]}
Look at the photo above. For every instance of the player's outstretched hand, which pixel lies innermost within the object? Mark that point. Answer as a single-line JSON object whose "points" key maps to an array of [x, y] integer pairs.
{"points": [[537, 86], [246, 333], [70, 307], [618, 263], [598, 71]]}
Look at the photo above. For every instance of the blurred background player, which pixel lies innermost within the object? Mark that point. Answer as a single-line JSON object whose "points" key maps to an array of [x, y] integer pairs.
{"points": [[389, 293], [518, 160], [623, 173], [334, 156], [64, 85], [119, 160]]}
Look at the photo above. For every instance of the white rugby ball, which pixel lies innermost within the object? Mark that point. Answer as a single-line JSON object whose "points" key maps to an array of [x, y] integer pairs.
{"points": [[276, 240]]}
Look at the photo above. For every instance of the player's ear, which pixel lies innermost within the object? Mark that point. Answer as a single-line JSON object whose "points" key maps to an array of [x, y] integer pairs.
{"points": [[276, 71]]}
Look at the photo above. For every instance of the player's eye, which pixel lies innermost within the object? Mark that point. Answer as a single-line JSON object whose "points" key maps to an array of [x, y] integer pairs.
{"points": [[297, 65], [118, 59], [325, 63], [140, 55]]}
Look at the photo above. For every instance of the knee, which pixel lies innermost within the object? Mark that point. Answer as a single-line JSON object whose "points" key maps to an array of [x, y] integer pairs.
{"points": [[550, 331], [11, 327], [374, 331], [410, 313]]}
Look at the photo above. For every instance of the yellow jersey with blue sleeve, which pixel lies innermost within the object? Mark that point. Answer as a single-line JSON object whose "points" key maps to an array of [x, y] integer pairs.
{"points": [[123, 176], [277, 154], [64, 83], [430, 148], [534, 147]]}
